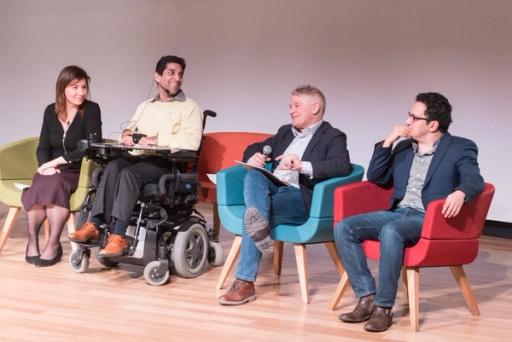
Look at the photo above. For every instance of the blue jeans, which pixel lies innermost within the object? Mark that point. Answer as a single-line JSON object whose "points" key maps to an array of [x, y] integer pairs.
{"points": [[395, 230], [278, 204]]}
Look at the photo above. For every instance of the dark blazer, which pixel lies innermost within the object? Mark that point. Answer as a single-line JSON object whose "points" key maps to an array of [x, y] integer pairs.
{"points": [[454, 166], [51, 145], [327, 152]]}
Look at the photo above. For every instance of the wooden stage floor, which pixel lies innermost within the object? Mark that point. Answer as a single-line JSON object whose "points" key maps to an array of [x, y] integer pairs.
{"points": [[57, 304]]}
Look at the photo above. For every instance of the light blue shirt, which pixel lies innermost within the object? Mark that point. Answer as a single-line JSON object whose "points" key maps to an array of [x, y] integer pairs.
{"points": [[298, 147]]}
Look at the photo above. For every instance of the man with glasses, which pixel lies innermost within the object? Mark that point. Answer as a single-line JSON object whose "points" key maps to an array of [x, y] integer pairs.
{"points": [[428, 164]]}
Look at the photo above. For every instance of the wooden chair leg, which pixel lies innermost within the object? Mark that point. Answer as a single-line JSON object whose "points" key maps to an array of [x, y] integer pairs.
{"points": [[413, 286], [8, 225], [300, 258], [462, 280], [333, 253], [46, 228], [72, 228], [232, 257], [340, 290], [278, 257], [404, 285], [216, 221]]}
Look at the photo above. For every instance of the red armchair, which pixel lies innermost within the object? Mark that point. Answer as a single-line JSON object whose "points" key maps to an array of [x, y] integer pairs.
{"points": [[444, 242], [219, 150]]}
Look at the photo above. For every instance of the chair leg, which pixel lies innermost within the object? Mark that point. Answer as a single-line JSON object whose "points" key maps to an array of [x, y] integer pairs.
{"points": [[413, 287], [216, 221], [333, 253], [300, 258], [340, 291], [278, 257], [72, 228], [462, 280], [233, 254], [404, 285], [8, 225]]}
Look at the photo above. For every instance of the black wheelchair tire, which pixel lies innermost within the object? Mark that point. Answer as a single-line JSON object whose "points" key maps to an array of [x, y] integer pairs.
{"points": [[216, 254], [190, 251]]}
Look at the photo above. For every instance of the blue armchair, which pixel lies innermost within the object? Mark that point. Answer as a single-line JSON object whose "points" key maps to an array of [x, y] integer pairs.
{"points": [[317, 229]]}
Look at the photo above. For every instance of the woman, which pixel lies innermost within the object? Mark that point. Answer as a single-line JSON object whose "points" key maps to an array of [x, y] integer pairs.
{"points": [[71, 118]]}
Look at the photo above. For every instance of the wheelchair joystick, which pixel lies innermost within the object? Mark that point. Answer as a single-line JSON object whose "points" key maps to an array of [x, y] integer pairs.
{"points": [[136, 137]]}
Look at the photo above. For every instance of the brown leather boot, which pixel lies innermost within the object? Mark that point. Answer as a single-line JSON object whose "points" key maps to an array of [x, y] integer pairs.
{"points": [[116, 246], [241, 292], [88, 232], [362, 312], [381, 320]]}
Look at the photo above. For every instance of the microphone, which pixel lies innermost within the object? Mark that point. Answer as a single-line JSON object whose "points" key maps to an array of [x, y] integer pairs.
{"points": [[267, 151]]}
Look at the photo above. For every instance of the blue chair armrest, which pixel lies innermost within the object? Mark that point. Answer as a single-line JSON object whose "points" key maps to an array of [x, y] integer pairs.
{"points": [[322, 201], [230, 186]]}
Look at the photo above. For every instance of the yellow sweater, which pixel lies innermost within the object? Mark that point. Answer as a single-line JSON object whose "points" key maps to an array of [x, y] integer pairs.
{"points": [[178, 124]]}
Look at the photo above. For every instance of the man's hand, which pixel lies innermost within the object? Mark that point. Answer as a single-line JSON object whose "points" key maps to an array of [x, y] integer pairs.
{"points": [[453, 204], [148, 141], [126, 137], [289, 162], [257, 159], [399, 131]]}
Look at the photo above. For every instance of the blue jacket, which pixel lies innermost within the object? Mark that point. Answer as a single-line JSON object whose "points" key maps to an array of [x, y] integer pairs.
{"points": [[454, 166]]}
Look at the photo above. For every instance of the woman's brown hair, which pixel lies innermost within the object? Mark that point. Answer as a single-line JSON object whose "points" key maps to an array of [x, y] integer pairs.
{"points": [[66, 76]]}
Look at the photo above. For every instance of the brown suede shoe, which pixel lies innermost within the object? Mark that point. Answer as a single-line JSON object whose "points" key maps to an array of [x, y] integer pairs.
{"points": [[381, 320], [88, 232], [241, 292], [116, 246], [362, 312]]}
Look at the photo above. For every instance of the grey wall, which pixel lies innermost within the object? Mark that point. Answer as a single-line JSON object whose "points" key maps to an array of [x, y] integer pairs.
{"points": [[369, 57]]}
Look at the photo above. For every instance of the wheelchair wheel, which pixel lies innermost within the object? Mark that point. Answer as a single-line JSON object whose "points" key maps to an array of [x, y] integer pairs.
{"points": [[216, 255], [190, 252], [79, 261], [153, 275]]}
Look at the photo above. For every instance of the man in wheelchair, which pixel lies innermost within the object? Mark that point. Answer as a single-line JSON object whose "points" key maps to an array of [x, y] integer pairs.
{"points": [[169, 121]]}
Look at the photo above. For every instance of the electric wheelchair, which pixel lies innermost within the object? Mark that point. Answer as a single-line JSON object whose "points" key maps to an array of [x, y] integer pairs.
{"points": [[166, 233]]}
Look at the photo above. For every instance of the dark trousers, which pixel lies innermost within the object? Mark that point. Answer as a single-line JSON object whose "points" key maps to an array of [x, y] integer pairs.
{"points": [[121, 185]]}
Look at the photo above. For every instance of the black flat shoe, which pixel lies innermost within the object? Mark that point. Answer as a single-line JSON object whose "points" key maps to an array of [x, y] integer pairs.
{"points": [[31, 259], [50, 262]]}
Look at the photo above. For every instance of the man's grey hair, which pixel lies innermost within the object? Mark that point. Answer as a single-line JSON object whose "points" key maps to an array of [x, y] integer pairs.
{"points": [[311, 91]]}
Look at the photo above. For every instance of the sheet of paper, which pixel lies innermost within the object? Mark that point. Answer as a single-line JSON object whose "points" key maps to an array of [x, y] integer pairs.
{"points": [[266, 172], [21, 186]]}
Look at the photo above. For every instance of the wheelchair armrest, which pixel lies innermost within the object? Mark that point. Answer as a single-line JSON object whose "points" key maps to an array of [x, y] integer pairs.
{"points": [[164, 180], [96, 176], [184, 183], [185, 154]]}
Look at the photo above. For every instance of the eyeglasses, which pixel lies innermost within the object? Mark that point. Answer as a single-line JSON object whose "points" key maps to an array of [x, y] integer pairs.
{"points": [[416, 118]]}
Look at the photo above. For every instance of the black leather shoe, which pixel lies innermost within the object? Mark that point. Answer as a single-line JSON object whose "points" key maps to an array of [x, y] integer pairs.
{"points": [[381, 320], [31, 259], [362, 312], [50, 262]]}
